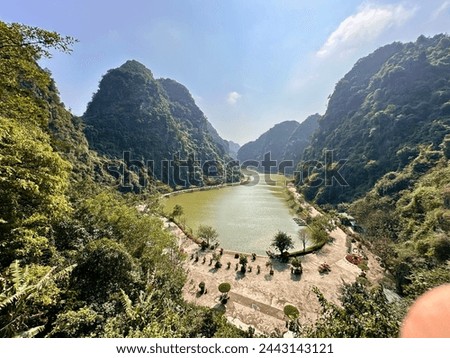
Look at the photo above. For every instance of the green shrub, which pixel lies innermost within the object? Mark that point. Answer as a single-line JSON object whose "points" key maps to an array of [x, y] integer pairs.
{"points": [[202, 286], [224, 287], [291, 312]]}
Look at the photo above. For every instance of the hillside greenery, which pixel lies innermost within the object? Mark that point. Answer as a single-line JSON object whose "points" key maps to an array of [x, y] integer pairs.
{"points": [[406, 220], [155, 126], [285, 142], [390, 103], [389, 117], [77, 259], [363, 312]]}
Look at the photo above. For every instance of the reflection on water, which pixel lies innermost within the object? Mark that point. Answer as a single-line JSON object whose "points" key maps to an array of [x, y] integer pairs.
{"points": [[247, 217]]}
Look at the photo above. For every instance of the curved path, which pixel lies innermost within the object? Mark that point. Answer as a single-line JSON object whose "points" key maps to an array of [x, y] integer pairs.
{"points": [[258, 299]]}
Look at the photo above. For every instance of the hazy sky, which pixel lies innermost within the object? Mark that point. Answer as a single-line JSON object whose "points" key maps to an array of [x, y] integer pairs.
{"points": [[248, 63]]}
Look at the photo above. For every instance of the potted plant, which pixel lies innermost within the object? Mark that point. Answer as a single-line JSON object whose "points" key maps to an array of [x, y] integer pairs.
{"points": [[224, 288], [202, 286]]}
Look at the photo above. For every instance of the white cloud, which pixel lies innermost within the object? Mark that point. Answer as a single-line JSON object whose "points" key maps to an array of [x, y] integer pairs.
{"points": [[366, 25], [441, 9], [233, 97]]}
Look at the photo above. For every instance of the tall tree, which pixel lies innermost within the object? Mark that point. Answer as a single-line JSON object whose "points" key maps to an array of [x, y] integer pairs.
{"points": [[208, 233], [33, 176], [303, 235], [24, 84], [282, 242]]}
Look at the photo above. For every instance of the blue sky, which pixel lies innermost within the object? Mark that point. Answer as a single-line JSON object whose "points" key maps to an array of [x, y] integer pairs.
{"points": [[248, 63]]}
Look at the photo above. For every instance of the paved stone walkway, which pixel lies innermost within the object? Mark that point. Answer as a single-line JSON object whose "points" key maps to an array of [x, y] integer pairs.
{"points": [[257, 306]]}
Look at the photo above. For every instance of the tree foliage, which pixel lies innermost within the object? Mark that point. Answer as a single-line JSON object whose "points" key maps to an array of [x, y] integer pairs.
{"points": [[291, 312], [391, 102], [363, 313], [304, 236], [33, 175], [407, 225], [93, 276], [177, 211], [282, 242], [26, 293], [208, 233], [77, 259]]}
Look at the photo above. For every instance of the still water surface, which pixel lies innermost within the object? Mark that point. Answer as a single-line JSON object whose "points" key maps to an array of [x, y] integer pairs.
{"points": [[247, 217]]}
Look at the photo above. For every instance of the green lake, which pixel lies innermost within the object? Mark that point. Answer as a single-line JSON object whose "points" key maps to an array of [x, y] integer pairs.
{"points": [[247, 217]]}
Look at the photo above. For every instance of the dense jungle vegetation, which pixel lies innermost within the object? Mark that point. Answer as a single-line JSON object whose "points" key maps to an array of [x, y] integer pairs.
{"points": [[78, 259]]}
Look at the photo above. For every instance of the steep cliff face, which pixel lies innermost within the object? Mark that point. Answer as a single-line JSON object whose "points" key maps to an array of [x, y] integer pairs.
{"points": [[155, 120], [389, 104]]}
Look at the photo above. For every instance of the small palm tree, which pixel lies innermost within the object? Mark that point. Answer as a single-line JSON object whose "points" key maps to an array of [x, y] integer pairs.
{"points": [[243, 261]]}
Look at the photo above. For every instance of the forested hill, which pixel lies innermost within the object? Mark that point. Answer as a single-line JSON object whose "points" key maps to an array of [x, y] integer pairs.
{"points": [[284, 141], [392, 101], [300, 139], [77, 259], [406, 220], [154, 119], [390, 116]]}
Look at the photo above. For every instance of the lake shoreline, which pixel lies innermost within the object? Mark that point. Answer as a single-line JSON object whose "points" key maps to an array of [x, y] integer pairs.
{"points": [[246, 181], [246, 217], [258, 299], [311, 212]]}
